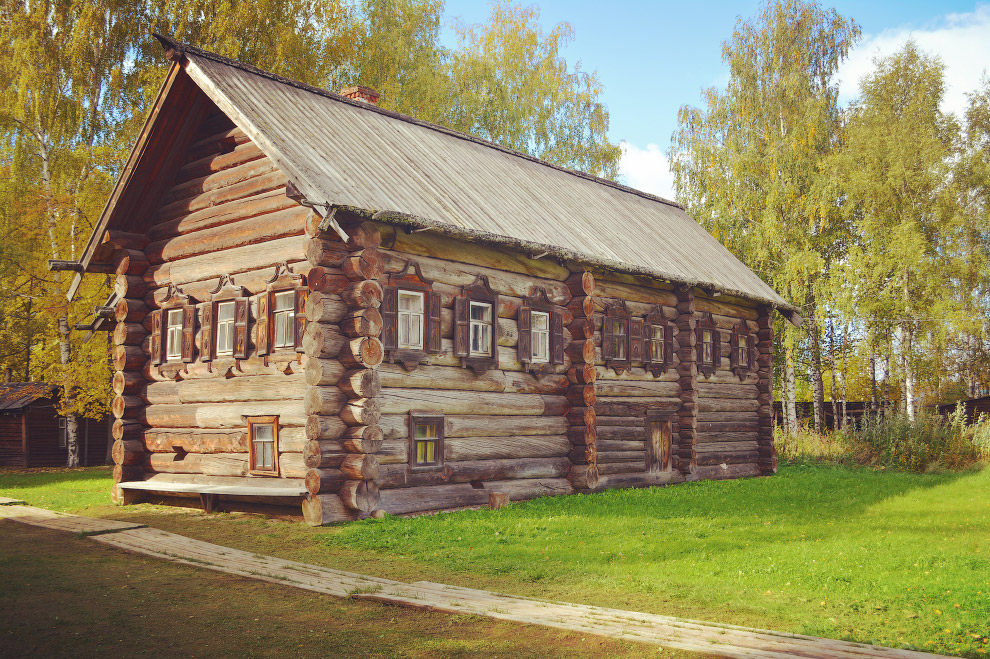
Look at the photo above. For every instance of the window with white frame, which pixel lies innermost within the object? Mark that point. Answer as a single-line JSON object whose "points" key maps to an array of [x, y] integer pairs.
{"points": [[173, 345], [410, 319], [540, 337], [284, 319], [263, 431], [225, 328], [481, 329], [656, 344]]}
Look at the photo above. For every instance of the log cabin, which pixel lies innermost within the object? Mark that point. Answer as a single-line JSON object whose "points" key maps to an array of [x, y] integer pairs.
{"points": [[33, 434], [323, 304]]}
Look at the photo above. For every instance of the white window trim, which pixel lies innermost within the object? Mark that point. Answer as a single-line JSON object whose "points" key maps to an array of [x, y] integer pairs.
{"points": [[287, 316], [225, 326], [535, 336], [173, 348], [404, 316], [480, 323]]}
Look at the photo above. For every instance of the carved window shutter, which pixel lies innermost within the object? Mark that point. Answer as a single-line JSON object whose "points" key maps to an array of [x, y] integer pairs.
{"points": [[433, 324], [241, 328], [524, 323], [188, 333], [462, 329], [556, 338], [207, 339], [156, 337], [734, 349], [390, 317], [495, 332], [301, 294], [751, 350], [635, 351], [263, 323], [608, 351], [647, 342], [716, 345], [668, 344]]}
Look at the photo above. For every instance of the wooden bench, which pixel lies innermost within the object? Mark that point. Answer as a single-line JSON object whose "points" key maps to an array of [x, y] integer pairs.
{"points": [[210, 489]]}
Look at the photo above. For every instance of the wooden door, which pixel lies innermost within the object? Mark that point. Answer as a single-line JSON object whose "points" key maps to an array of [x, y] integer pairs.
{"points": [[659, 444]]}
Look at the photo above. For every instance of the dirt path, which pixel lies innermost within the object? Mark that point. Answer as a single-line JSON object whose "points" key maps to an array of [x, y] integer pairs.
{"points": [[712, 638]]}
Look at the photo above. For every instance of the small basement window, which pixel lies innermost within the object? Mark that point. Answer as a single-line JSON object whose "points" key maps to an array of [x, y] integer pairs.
{"points": [[541, 336], [225, 328], [173, 349], [284, 320], [481, 329], [263, 447], [410, 320], [426, 440]]}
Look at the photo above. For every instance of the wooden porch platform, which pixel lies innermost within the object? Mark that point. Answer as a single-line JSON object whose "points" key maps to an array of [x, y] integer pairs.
{"points": [[666, 631]]}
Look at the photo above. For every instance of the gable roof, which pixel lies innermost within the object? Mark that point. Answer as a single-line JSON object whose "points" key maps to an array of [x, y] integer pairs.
{"points": [[18, 395], [397, 169]]}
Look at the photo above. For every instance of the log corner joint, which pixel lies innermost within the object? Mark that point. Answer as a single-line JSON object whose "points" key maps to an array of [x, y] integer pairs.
{"points": [[325, 209]]}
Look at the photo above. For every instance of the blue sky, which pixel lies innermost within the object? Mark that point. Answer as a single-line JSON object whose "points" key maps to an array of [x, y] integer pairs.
{"points": [[653, 57]]}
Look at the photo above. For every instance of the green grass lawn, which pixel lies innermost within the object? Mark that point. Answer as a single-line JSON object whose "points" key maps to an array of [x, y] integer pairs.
{"points": [[893, 558]]}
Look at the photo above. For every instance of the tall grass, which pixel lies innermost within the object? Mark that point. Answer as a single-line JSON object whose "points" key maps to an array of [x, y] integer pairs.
{"points": [[927, 443]]}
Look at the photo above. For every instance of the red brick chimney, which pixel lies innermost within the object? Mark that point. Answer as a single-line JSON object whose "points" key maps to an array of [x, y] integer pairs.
{"points": [[361, 93]]}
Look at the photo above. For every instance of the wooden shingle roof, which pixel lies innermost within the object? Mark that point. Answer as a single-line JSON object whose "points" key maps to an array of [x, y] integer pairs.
{"points": [[400, 170]]}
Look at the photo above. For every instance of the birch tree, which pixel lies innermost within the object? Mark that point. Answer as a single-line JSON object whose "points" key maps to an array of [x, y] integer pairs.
{"points": [[751, 163]]}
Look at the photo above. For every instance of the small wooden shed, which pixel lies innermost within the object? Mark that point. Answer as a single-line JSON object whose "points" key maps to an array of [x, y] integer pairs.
{"points": [[32, 434], [321, 302]]}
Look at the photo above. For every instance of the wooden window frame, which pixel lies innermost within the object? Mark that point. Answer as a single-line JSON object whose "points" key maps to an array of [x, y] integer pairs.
{"points": [[632, 345], [656, 319], [410, 280], [707, 323], [253, 421], [173, 352], [422, 418], [174, 300], [742, 367], [224, 293], [283, 281], [539, 302], [535, 354], [478, 291]]}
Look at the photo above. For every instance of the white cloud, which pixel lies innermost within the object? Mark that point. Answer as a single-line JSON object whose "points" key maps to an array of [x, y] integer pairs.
{"points": [[646, 169], [961, 40]]}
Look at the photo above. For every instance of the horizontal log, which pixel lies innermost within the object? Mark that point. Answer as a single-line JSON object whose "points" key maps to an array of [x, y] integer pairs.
{"points": [[363, 234], [609, 468], [131, 262], [445, 377], [361, 383], [131, 334], [360, 466], [323, 371], [127, 407], [325, 307], [505, 448], [130, 311], [218, 180], [129, 286], [239, 262], [724, 437], [195, 440], [324, 427], [606, 288], [709, 305], [128, 452], [718, 472], [582, 307], [750, 444], [393, 476], [396, 426], [237, 389], [606, 457], [610, 445], [220, 415], [249, 188], [365, 294], [634, 406], [638, 374], [127, 383], [323, 340], [364, 264], [582, 395], [124, 429], [362, 439], [582, 374], [728, 417], [393, 451], [326, 253], [638, 388], [215, 162], [361, 412], [581, 283], [291, 465], [362, 496], [324, 400], [581, 352], [263, 228], [323, 481], [745, 391], [239, 209], [582, 435], [324, 509], [401, 401], [126, 473], [210, 464], [440, 497], [727, 426], [625, 433], [320, 454], [582, 416], [361, 322], [363, 352], [727, 405]]}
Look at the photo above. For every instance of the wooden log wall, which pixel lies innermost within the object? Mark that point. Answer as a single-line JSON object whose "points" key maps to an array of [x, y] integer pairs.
{"points": [[581, 379], [226, 213], [342, 400]]}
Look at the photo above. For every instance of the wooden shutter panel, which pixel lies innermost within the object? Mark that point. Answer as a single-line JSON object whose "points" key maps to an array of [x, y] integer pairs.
{"points": [[556, 338], [241, 328], [462, 329], [734, 350], [207, 337], [668, 344], [647, 343], [495, 332], [263, 323], [716, 346], [607, 349], [433, 335], [188, 333], [301, 294], [524, 323], [390, 318], [700, 344], [635, 351], [156, 337]]}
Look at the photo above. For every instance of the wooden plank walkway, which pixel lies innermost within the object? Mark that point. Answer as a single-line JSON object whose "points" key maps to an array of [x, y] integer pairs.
{"points": [[4, 501], [666, 631]]}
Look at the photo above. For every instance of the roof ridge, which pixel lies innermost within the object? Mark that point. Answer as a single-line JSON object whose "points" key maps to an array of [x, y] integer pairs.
{"points": [[182, 49]]}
